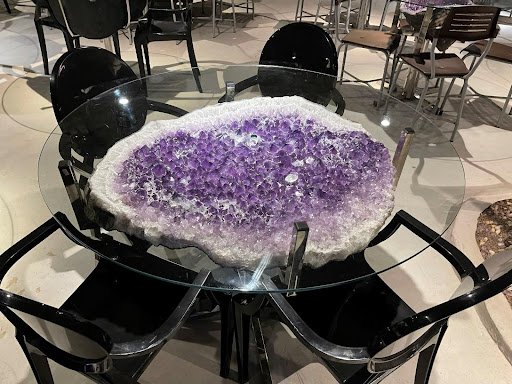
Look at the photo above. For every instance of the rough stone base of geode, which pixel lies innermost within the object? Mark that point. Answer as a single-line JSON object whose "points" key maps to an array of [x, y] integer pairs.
{"points": [[232, 179]]}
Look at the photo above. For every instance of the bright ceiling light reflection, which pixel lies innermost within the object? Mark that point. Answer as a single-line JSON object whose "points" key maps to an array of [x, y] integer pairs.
{"points": [[385, 122], [123, 101]]}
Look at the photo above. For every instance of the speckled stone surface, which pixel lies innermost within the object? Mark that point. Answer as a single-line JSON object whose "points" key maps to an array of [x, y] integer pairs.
{"points": [[494, 232]]}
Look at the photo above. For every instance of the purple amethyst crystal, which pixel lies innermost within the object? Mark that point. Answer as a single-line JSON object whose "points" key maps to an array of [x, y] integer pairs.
{"points": [[248, 178]]}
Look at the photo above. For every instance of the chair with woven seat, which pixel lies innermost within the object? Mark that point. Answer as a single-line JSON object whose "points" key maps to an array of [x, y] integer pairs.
{"points": [[498, 52], [386, 42], [111, 327], [463, 23], [363, 331], [166, 23]]}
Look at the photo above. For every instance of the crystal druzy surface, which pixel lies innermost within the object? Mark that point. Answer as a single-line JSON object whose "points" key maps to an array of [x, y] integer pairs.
{"points": [[233, 178]]}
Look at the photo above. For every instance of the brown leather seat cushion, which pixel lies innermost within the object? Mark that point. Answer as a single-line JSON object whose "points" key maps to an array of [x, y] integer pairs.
{"points": [[378, 40], [498, 51], [446, 64]]}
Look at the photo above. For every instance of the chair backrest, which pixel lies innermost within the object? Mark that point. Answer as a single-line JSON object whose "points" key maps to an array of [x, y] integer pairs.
{"points": [[469, 23], [487, 280], [299, 46], [92, 19], [81, 75]]}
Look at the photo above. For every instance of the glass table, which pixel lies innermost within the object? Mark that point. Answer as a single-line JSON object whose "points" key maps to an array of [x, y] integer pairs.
{"points": [[430, 188]]}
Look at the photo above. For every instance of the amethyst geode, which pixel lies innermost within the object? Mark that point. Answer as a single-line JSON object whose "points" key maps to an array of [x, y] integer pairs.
{"points": [[232, 179]]}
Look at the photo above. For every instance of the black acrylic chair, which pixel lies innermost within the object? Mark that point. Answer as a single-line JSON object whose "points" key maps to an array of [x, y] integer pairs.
{"points": [[94, 19], [166, 23], [363, 331], [43, 16], [78, 77], [115, 322], [300, 46]]}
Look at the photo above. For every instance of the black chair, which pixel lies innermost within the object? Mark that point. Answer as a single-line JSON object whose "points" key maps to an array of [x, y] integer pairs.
{"points": [[166, 23], [94, 19], [112, 326], [298, 46], [49, 20], [78, 77], [364, 331], [7, 6]]}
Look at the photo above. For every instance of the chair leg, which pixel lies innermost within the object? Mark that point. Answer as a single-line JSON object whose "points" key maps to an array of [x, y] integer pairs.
{"points": [[439, 93], [504, 110], [70, 43], [42, 44], [441, 108], [38, 362], [461, 106], [117, 48], [193, 63], [423, 95], [7, 6], [234, 15], [426, 359], [343, 62], [383, 80], [146, 57], [140, 59]]}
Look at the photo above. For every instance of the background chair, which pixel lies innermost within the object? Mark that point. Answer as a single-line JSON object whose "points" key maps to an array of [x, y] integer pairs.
{"points": [[464, 23], [166, 23], [304, 46], [248, 5], [110, 328], [364, 331], [387, 42], [497, 52], [93, 19], [49, 20]]}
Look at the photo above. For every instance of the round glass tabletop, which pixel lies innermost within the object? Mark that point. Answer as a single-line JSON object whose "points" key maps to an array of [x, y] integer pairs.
{"points": [[430, 187]]}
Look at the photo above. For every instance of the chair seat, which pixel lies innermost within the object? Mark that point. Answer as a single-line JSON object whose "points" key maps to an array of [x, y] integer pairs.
{"points": [[162, 30], [499, 52], [446, 64], [125, 304], [378, 40]]}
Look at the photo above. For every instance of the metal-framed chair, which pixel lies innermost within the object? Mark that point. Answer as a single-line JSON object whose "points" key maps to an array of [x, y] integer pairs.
{"points": [[164, 22], [463, 23], [110, 328], [364, 331], [498, 52]]}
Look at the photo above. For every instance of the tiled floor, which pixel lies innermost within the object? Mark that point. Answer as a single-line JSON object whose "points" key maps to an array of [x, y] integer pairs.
{"points": [[468, 353]]}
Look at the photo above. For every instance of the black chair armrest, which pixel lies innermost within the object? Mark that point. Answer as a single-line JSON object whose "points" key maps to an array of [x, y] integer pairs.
{"points": [[455, 257], [318, 345], [166, 108], [126, 255], [15, 252], [169, 328]]}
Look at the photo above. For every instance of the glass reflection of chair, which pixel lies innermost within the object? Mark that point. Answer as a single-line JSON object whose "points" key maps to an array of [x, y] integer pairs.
{"points": [[298, 46], [463, 23], [363, 330], [111, 326]]}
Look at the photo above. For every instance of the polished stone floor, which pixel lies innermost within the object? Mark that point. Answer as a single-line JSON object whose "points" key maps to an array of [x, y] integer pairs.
{"points": [[468, 354]]}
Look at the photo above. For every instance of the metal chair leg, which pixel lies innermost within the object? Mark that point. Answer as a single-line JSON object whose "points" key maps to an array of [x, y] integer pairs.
{"points": [[42, 44], [343, 62], [461, 106], [504, 110], [384, 75], [447, 94], [7, 6], [146, 57], [423, 95], [234, 15], [439, 93], [38, 362]]}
